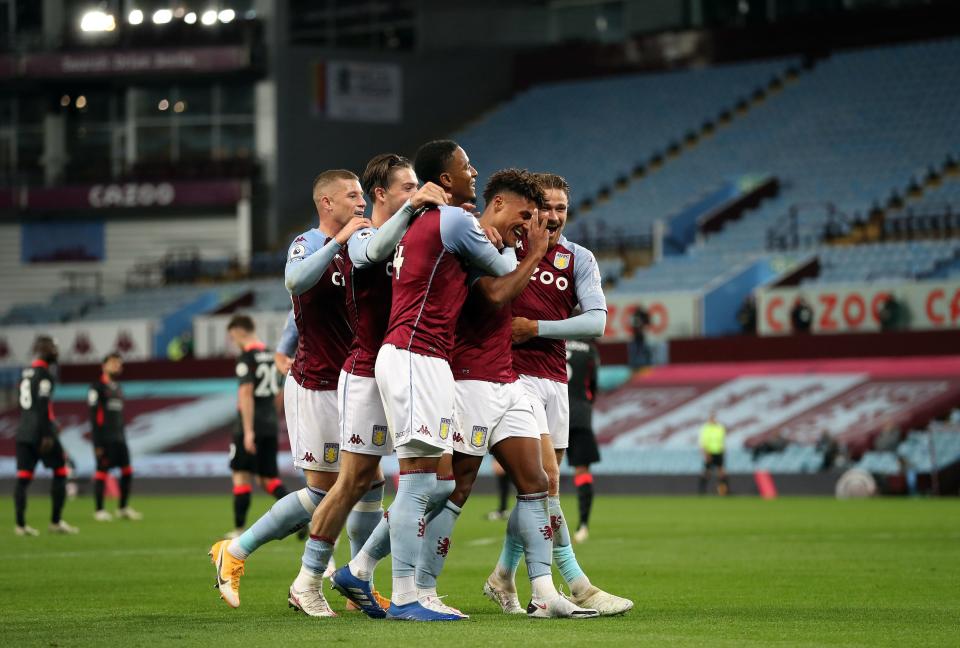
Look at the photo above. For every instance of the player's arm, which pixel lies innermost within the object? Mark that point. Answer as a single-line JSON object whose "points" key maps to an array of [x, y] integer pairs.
{"points": [[590, 323], [305, 267], [287, 346], [370, 245], [500, 291], [93, 400], [48, 430], [462, 235], [245, 403]]}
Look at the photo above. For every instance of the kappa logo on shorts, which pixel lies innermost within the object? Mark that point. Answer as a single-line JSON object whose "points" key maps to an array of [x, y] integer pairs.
{"points": [[356, 440], [444, 428], [331, 452], [424, 430], [478, 438], [457, 437], [379, 435], [307, 456]]}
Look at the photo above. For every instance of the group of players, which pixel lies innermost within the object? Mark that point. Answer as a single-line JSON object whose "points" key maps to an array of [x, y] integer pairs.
{"points": [[437, 334], [37, 439]]}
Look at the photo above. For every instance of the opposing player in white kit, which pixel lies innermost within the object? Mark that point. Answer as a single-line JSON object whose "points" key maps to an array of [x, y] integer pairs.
{"points": [[566, 277], [391, 184], [314, 278]]}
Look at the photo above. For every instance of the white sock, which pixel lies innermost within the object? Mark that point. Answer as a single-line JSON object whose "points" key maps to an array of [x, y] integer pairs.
{"points": [[426, 592], [307, 580], [236, 550], [579, 586], [404, 590], [505, 576], [363, 565], [543, 588]]}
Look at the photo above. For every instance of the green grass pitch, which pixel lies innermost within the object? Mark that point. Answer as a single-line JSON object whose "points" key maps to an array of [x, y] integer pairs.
{"points": [[703, 572]]}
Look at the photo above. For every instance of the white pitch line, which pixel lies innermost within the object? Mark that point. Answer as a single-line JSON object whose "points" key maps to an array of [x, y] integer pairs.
{"points": [[100, 552], [483, 541]]}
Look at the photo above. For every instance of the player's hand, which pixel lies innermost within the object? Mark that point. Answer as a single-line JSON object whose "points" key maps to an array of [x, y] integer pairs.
{"points": [[538, 237], [248, 443], [494, 236], [522, 329], [470, 207], [282, 362], [430, 194], [355, 223]]}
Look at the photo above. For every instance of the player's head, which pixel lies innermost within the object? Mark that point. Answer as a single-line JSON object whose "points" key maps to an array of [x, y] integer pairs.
{"points": [[556, 193], [241, 330], [511, 197], [338, 195], [444, 163], [389, 181], [112, 364], [45, 348]]}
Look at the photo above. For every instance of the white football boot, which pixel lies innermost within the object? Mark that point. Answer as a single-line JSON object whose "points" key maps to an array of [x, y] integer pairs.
{"points": [[605, 603], [25, 530], [102, 516], [559, 607], [63, 528], [503, 595], [127, 513], [311, 602]]}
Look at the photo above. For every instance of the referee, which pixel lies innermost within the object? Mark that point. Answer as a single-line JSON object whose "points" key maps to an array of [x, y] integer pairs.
{"points": [[712, 442], [582, 363]]}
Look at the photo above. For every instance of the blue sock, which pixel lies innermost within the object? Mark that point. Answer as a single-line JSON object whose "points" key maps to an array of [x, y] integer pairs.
{"points": [[529, 522], [436, 544], [286, 515], [563, 554], [364, 518], [407, 528], [510, 556], [316, 555]]}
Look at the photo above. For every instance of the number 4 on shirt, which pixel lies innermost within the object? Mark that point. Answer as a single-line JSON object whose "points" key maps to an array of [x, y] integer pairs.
{"points": [[398, 261]]}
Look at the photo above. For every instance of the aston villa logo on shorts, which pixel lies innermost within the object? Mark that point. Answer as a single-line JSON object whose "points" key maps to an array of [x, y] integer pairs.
{"points": [[478, 438], [379, 435], [331, 451], [561, 261], [444, 428]]}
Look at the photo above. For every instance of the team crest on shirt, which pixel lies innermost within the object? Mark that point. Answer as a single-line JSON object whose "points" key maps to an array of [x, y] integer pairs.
{"points": [[331, 451], [478, 438], [561, 261], [298, 251], [379, 435], [444, 428]]}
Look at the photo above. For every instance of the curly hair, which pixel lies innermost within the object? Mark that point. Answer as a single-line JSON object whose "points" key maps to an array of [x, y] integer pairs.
{"points": [[519, 182]]}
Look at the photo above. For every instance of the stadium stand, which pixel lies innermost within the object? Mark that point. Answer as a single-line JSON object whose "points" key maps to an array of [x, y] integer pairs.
{"points": [[618, 122], [847, 154]]}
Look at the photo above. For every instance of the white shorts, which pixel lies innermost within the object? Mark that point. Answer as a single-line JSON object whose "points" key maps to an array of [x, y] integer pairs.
{"points": [[417, 393], [551, 407], [363, 425], [487, 413], [313, 426]]}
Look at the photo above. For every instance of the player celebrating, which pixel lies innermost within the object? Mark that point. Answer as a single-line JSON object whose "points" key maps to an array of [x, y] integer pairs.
{"points": [[565, 277], [391, 184], [254, 447], [314, 277], [37, 438], [109, 443], [412, 368], [582, 363], [492, 408]]}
